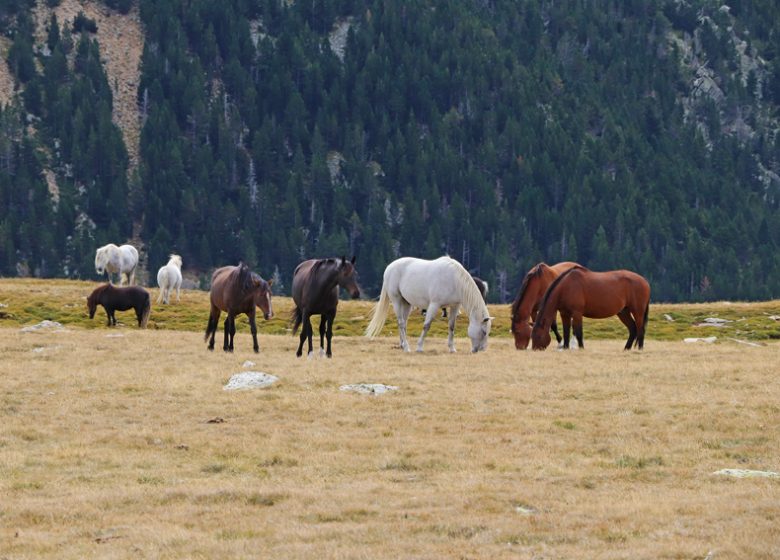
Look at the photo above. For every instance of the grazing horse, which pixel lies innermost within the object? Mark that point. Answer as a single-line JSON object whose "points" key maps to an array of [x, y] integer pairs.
{"points": [[315, 291], [410, 282], [529, 296], [113, 299], [122, 260], [579, 293], [236, 290], [168, 278], [483, 288]]}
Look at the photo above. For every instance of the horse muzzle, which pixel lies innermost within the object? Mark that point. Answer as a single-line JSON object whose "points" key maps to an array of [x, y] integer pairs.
{"points": [[267, 316], [355, 294]]}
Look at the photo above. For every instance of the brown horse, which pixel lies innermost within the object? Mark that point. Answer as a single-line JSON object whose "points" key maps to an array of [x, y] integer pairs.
{"points": [[114, 299], [236, 290], [579, 293], [529, 296], [315, 291]]}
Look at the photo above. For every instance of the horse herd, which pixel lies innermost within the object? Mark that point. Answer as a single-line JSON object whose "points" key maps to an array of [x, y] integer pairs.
{"points": [[566, 288]]}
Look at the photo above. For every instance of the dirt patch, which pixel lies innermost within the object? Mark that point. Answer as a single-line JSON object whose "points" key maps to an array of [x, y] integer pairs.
{"points": [[121, 42]]}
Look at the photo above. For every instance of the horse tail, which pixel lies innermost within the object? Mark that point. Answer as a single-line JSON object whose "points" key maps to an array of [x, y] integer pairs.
{"points": [[379, 314], [297, 318], [162, 282], [147, 311]]}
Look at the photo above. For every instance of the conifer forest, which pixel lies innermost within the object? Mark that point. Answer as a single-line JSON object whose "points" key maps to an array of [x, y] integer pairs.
{"points": [[631, 134]]}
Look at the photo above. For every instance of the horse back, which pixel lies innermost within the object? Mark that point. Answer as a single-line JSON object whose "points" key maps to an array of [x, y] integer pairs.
{"points": [[309, 290], [607, 293]]}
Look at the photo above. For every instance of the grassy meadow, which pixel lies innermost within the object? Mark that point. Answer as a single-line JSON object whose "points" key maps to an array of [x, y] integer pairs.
{"points": [[122, 443]]}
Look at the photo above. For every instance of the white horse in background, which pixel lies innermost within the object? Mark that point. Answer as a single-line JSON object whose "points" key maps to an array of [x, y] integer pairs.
{"points": [[122, 260], [410, 282], [168, 278]]}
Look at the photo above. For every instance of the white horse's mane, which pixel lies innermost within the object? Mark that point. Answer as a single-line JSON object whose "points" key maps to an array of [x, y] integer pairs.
{"points": [[175, 259], [472, 300]]}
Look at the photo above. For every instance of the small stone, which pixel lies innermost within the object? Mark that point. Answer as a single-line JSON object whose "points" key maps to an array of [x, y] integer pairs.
{"points": [[369, 388], [250, 380]]}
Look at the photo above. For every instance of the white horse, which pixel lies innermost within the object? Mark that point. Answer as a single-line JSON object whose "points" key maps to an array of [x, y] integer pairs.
{"points": [[410, 282], [168, 278], [122, 260]]}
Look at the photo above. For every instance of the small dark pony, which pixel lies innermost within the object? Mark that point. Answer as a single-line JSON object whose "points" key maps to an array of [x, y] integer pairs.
{"points": [[236, 290], [579, 293], [529, 296], [315, 291], [114, 298]]}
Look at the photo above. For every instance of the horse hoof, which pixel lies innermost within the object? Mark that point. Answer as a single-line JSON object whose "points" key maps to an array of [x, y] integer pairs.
{"points": [[257, 350], [322, 353], [310, 355]]}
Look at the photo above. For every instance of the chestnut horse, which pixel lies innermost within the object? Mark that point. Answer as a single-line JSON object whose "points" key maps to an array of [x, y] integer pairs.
{"points": [[529, 296], [315, 291], [579, 293], [236, 290], [114, 299]]}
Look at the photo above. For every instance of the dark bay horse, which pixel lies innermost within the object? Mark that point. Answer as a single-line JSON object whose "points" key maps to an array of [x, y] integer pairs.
{"points": [[236, 290], [579, 293], [114, 298], [529, 296], [315, 291]]}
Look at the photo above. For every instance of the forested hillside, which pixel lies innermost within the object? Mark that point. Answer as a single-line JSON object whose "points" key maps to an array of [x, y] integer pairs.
{"points": [[621, 134]]}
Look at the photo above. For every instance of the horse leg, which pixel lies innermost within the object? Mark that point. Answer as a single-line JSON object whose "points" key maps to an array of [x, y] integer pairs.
{"points": [[625, 317], [433, 311], [566, 324], [640, 316], [225, 346], [554, 329], [577, 320], [402, 311], [329, 333], [211, 329], [323, 330], [304, 322], [451, 327], [253, 328], [108, 314], [232, 331]]}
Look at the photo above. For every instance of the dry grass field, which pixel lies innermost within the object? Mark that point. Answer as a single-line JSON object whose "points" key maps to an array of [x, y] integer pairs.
{"points": [[122, 443]]}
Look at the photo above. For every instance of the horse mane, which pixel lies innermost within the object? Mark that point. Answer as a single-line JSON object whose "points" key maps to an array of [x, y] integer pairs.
{"points": [[523, 287], [552, 287], [472, 298], [175, 258]]}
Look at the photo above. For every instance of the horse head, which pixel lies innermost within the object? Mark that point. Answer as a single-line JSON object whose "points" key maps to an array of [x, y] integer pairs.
{"points": [[347, 277], [102, 257], [478, 333], [540, 335], [522, 333], [263, 295]]}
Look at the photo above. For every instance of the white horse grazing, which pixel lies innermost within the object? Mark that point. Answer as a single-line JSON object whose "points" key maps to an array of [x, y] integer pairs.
{"points": [[122, 260], [168, 278], [410, 282]]}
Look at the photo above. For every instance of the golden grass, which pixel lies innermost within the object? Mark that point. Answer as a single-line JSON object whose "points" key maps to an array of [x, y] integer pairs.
{"points": [[106, 450]]}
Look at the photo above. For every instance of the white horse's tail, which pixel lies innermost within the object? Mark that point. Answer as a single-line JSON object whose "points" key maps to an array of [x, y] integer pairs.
{"points": [[164, 282], [379, 314]]}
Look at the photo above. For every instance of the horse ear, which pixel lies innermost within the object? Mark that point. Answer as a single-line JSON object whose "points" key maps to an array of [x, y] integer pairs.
{"points": [[353, 259], [343, 260], [270, 282]]}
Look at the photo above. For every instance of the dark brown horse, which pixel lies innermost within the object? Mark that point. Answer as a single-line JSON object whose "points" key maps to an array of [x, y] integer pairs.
{"points": [[529, 296], [236, 290], [113, 299], [315, 291], [579, 293]]}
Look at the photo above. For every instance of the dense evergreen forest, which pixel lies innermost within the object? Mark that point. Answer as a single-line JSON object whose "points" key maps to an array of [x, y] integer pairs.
{"points": [[618, 133]]}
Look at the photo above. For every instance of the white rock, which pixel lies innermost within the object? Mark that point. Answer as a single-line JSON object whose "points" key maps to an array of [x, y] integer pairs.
{"points": [[248, 364], [368, 388], [250, 380], [668, 317], [44, 325], [746, 473], [707, 340]]}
